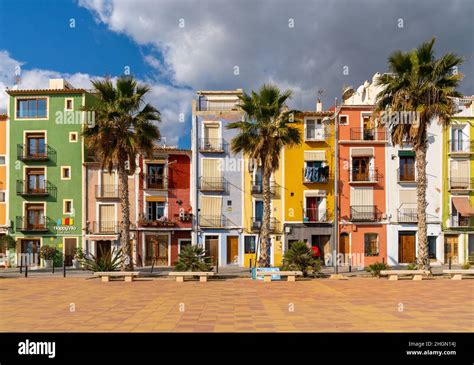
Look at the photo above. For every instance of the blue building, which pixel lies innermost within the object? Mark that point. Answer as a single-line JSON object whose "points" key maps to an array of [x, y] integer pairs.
{"points": [[217, 179]]}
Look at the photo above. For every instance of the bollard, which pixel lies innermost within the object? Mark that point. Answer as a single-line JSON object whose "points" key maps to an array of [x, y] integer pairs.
{"points": [[450, 263], [26, 269], [21, 264], [250, 264], [64, 269], [53, 266], [152, 266]]}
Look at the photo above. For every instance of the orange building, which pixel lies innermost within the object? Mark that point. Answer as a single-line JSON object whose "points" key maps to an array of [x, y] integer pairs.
{"points": [[362, 193]]}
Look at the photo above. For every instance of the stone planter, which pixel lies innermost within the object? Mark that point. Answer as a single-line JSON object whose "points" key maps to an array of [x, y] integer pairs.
{"points": [[48, 263]]}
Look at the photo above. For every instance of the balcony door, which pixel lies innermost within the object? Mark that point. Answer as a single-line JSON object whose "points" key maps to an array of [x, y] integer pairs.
{"points": [[211, 136], [451, 249], [35, 180], [107, 218], [360, 168], [407, 168], [459, 142], [108, 185], [312, 208], [36, 145], [258, 209], [35, 216], [156, 176], [367, 127]]}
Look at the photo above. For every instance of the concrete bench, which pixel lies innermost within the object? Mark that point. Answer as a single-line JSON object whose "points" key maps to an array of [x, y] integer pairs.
{"points": [[267, 275], [457, 274], [181, 274], [106, 275], [394, 274]]}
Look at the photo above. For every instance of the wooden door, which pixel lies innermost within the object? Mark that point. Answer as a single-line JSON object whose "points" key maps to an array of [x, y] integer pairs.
{"points": [[344, 247], [70, 245], [156, 250], [211, 248], [406, 248], [451, 249], [232, 249]]}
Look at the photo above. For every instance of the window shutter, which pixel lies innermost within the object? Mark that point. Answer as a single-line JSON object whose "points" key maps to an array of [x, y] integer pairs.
{"points": [[315, 155], [362, 196]]}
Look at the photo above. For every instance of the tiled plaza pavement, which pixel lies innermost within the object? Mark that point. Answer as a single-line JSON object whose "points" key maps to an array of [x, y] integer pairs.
{"points": [[358, 304]]}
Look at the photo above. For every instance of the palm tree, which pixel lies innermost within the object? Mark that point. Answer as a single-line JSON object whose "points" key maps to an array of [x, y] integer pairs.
{"points": [[421, 83], [263, 133], [123, 129]]}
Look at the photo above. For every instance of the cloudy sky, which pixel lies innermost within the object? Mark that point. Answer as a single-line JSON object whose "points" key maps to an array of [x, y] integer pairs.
{"points": [[180, 46]]}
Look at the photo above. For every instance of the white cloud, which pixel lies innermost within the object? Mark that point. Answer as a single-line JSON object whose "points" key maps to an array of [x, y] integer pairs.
{"points": [[169, 100]]}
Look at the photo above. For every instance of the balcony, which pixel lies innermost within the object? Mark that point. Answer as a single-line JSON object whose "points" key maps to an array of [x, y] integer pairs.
{"points": [[315, 175], [208, 221], [212, 145], [461, 147], [45, 188], [257, 187], [364, 213], [162, 222], [407, 215], [313, 215], [406, 175], [364, 176], [106, 191], [43, 224], [458, 221], [155, 182], [257, 223], [461, 184], [105, 227], [366, 134], [24, 153], [217, 184]]}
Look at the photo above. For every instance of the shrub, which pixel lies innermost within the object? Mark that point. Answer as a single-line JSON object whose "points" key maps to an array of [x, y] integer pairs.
{"points": [[466, 266], [412, 266], [47, 252], [7, 242], [193, 258], [107, 261], [375, 268], [300, 257]]}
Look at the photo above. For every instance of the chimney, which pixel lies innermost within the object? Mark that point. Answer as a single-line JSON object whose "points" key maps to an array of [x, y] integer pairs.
{"points": [[56, 84], [319, 106]]}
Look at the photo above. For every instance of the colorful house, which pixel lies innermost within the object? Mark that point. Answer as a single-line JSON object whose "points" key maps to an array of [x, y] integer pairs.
{"points": [[45, 170], [165, 216], [309, 182], [4, 221], [458, 184], [362, 178], [216, 177]]}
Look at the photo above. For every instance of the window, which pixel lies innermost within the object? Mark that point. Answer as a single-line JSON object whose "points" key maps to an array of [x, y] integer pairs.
{"points": [[31, 108], [183, 244], [314, 129], [69, 104], [229, 203], [155, 210], [343, 119], [73, 137], [155, 176], [315, 172], [2, 197], [360, 168], [67, 206], [2, 160], [368, 128], [371, 244], [65, 173], [407, 168], [36, 145], [250, 244], [35, 180]]}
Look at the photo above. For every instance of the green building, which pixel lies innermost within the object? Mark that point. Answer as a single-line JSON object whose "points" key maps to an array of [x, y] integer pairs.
{"points": [[458, 184], [45, 167]]}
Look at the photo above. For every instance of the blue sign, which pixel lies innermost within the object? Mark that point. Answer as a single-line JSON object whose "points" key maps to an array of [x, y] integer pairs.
{"points": [[266, 269]]}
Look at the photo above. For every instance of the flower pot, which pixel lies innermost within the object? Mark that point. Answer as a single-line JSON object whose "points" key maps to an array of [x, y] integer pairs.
{"points": [[48, 263], [76, 264]]}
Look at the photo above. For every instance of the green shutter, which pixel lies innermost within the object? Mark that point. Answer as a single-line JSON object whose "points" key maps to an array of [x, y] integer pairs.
{"points": [[406, 153]]}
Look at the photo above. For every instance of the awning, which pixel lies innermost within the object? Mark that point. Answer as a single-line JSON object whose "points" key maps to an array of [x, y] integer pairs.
{"points": [[362, 152], [315, 155], [463, 206], [406, 153], [155, 198]]}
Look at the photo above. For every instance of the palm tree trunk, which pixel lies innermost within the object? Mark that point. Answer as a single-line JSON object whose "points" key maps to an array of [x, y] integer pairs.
{"points": [[264, 259], [423, 261], [125, 224]]}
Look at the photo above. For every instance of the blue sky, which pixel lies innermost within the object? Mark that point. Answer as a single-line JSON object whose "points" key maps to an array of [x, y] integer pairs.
{"points": [[180, 46]]}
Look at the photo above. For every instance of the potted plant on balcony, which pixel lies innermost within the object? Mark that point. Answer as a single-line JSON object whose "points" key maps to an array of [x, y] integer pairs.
{"points": [[47, 253]]}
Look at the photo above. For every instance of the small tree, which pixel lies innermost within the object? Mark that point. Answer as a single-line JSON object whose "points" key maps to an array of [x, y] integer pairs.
{"points": [[193, 258], [7, 242]]}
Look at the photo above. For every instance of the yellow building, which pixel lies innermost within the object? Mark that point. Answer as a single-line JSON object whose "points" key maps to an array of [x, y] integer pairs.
{"points": [[253, 212], [309, 183]]}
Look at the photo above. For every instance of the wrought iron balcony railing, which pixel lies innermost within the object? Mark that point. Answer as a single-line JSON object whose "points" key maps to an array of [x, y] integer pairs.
{"points": [[367, 175], [364, 213], [218, 184], [368, 134], [212, 145], [313, 215], [315, 175], [26, 188], [257, 187], [44, 153], [105, 227], [37, 224], [107, 191], [460, 221], [257, 223], [407, 215]]}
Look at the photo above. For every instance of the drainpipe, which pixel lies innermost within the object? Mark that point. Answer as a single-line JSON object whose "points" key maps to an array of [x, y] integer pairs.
{"points": [[196, 173], [86, 206]]}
